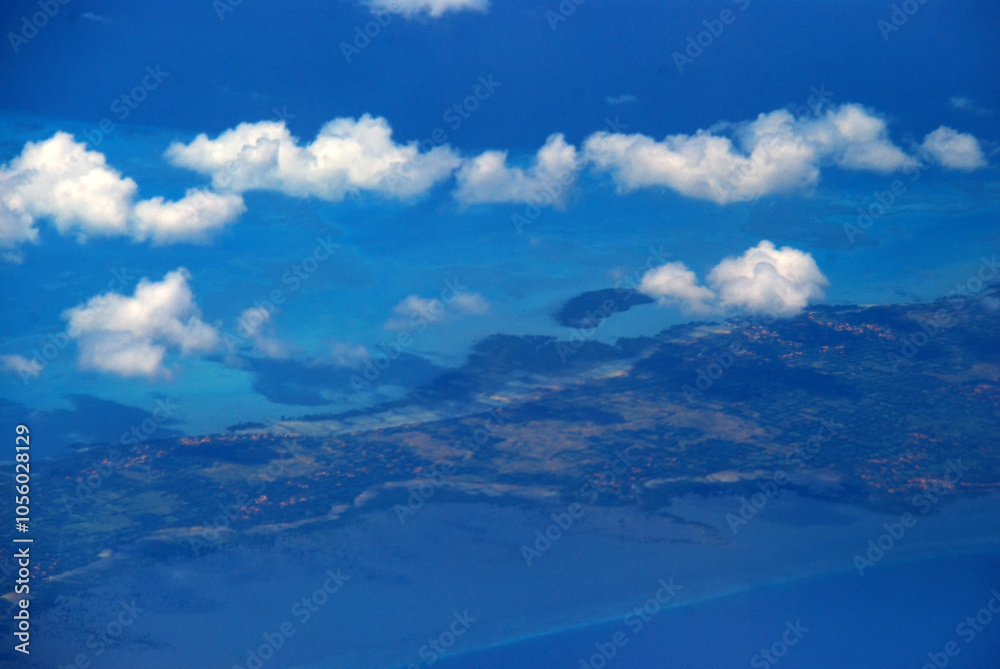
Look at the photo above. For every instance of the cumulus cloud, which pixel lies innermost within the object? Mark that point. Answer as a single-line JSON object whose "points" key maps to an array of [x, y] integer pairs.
{"points": [[130, 336], [954, 150], [763, 279], [674, 282], [433, 8], [487, 178], [346, 157], [192, 218], [775, 153], [18, 364], [17, 226], [61, 180], [254, 324]]}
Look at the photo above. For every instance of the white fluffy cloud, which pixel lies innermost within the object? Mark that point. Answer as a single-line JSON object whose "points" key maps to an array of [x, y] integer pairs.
{"points": [[347, 156], [60, 179], [763, 279], [17, 226], [954, 150], [674, 282], [192, 218], [434, 8], [487, 178], [774, 153], [130, 336]]}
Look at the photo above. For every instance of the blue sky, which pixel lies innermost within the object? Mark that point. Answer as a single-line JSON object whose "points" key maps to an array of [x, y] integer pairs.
{"points": [[717, 156]]}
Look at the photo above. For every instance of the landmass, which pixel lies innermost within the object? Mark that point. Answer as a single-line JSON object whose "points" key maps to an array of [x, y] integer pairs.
{"points": [[875, 406]]}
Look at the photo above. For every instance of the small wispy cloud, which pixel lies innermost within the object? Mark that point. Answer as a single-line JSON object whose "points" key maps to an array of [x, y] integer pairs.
{"points": [[968, 104], [621, 99], [91, 16], [20, 365], [433, 8]]}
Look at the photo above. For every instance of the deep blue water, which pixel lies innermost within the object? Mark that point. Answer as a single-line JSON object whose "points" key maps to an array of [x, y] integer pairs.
{"points": [[893, 617]]}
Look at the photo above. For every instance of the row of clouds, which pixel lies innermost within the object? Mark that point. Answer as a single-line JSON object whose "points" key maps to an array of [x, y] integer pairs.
{"points": [[775, 153], [730, 162], [133, 335], [59, 179]]}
